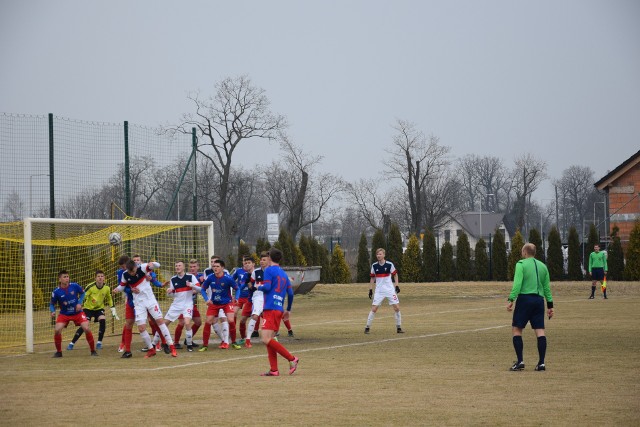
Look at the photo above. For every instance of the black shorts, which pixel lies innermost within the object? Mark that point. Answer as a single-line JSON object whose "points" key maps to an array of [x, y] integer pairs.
{"points": [[597, 273], [93, 314], [529, 308]]}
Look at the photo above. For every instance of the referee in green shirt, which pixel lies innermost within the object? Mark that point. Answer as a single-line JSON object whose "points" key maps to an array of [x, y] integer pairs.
{"points": [[597, 269], [530, 289]]}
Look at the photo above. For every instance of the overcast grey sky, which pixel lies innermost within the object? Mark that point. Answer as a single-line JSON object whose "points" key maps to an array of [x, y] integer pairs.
{"points": [[560, 79]]}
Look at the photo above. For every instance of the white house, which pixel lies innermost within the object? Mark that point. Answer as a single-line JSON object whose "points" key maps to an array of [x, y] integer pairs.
{"points": [[474, 224]]}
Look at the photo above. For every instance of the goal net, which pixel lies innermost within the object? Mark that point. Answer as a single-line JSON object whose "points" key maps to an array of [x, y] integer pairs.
{"points": [[36, 249]]}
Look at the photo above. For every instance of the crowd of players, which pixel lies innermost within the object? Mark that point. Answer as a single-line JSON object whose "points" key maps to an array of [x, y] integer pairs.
{"points": [[256, 294]]}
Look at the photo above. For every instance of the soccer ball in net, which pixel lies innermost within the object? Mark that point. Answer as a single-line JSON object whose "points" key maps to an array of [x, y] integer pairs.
{"points": [[115, 239]]}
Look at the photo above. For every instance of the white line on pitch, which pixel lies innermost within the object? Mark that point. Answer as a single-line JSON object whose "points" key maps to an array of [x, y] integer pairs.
{"points": [[262, 355]]}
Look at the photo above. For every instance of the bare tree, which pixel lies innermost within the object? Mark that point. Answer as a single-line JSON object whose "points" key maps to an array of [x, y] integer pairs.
{"points": [[371, 205], [528, 174], [441, 197], [14, 207], [238, 111], [299, 194], [416, 159], [577, 194]]}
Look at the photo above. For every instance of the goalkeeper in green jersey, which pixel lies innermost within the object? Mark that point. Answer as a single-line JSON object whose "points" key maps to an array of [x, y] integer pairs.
{"points": [[597, 269], [96, 295]]}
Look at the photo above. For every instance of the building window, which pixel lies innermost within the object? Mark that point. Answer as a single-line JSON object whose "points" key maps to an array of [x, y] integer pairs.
{"points": [[458, 233], [447, 235]]}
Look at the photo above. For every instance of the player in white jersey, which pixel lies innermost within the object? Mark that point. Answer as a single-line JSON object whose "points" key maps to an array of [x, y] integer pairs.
{"points": [[182, 287], [144, 301], [381, 274]]}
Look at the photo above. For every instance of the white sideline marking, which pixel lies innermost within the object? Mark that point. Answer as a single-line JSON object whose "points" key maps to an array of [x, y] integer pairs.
{"points": [[262, 355], [360, 320]]}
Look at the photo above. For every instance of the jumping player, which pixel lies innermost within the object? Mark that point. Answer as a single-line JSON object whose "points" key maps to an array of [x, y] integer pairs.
{"points": [[137, 278], [69, 297], [276, 285], [95, 297], [219, 305], [381, 273]]}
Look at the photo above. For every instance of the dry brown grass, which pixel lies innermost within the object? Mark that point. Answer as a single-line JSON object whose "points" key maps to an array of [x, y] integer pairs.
{"points": [[449, 368]]}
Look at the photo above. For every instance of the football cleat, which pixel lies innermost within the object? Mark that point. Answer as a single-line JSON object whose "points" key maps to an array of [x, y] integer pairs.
{"points": [[70, 346], [290, 333], [144, 349], [240, 342], [126, 355], [166, 349], [178, 346], [247, 344], [121, 348], [94, 353], [150, 353], [255, 334], [236, 346], [293, 365], [366, 330], [204, 348], [540, 367], [591, 297], [174, 353], [158, 346], [517, 366], [269, 374], [399, 330], [189, 348], [224, 346], [57, 354], [99, 345]]}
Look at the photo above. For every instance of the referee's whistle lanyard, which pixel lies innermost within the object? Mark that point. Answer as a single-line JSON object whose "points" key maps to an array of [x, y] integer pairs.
{"points": [[535, 264]]}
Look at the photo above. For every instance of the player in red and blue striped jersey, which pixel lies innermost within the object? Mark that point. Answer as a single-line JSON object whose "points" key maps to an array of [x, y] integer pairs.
{"points": [[381, 273], [69, 297], [275, 286], [216, 291]]}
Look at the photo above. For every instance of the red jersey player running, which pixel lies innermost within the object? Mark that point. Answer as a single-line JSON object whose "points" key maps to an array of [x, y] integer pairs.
{"points": [[275, 286], [69, 297]]}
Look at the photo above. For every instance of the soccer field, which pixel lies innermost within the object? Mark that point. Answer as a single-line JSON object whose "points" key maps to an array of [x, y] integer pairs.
{"points": [[449, 368]]}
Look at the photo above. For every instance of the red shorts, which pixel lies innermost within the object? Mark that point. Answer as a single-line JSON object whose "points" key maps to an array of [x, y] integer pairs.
{"points": [[241, 302], [77, 318], [213, 309], [129, 312], [247, 309], [271, 320]]}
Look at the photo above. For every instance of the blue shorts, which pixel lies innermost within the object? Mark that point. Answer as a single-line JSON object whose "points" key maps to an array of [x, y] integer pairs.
{"points": [[597, 273], [529, 308]]}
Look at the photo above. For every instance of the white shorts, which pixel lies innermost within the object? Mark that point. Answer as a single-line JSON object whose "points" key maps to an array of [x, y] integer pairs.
{"points": [[380, 294], [174, 312], [257, 300], [142, 308]]}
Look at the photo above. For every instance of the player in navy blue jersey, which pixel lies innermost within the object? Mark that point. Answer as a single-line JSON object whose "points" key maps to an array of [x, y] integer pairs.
{"points": [[275, 287], [242, 276], [381, 273], [69, 297], [216, 291]]}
